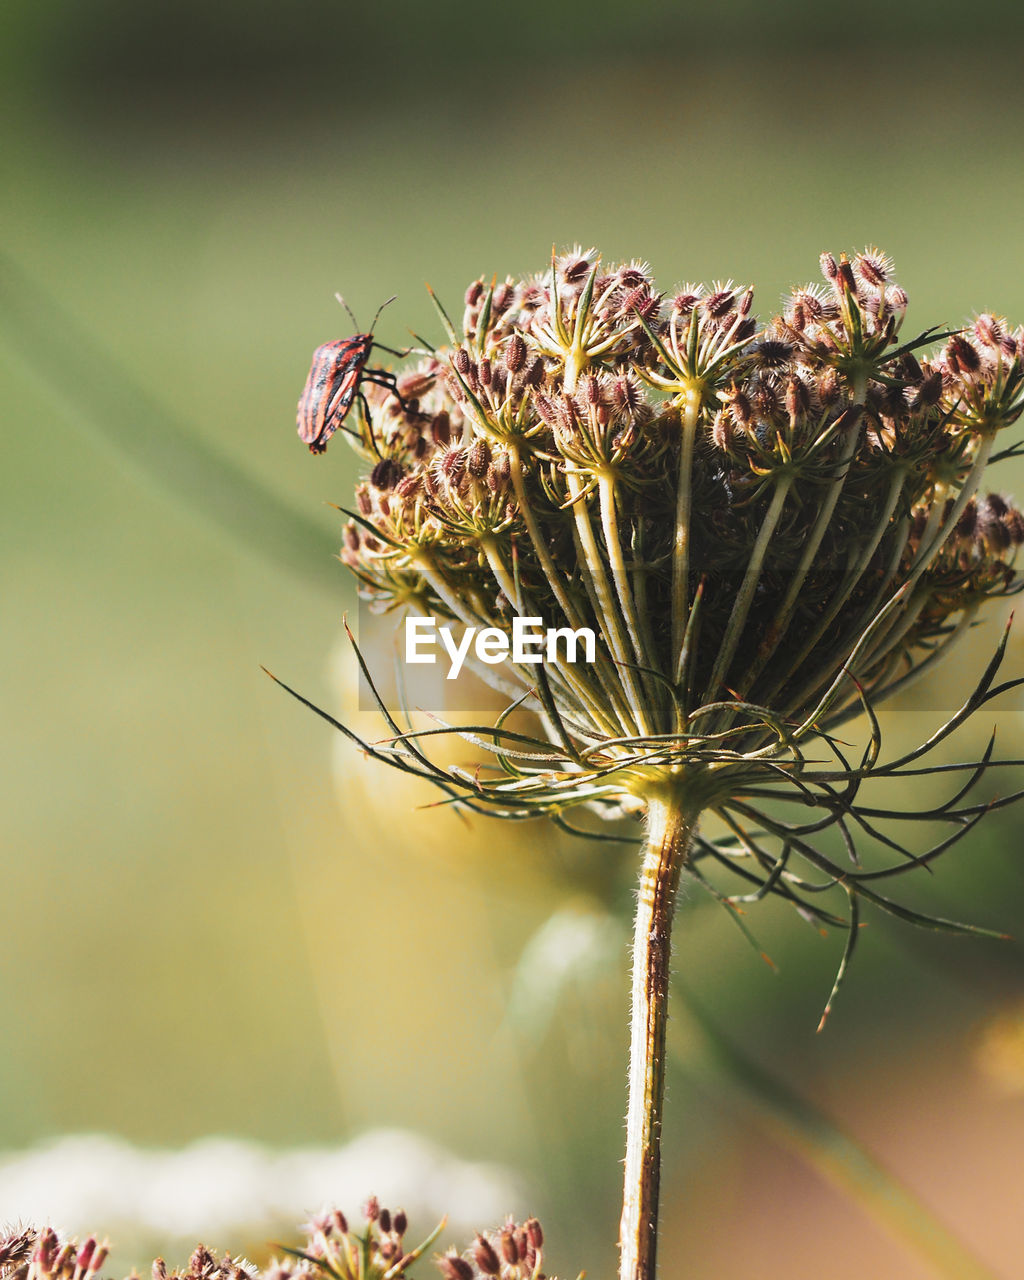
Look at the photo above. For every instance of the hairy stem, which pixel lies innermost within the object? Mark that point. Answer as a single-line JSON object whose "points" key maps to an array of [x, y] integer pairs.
{"points": [[671, 826]]}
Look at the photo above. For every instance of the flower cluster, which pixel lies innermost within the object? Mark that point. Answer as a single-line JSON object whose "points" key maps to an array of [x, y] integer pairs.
{"points": [[332, 1251], [516, 1252], [729, 507], [29, 1255]]}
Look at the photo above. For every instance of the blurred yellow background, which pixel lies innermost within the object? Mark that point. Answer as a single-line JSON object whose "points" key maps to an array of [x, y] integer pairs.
{"points": [[198, 937]]}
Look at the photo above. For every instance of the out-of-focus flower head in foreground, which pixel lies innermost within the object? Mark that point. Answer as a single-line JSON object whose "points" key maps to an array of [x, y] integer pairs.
{"points": [[376, 1249], [770, 529]]}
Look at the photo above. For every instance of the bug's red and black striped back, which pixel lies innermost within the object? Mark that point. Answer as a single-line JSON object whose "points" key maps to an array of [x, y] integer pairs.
{"points": [[331, 387]]}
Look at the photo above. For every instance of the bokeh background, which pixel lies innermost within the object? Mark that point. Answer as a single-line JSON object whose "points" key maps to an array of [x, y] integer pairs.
{"points": [[218, 923]]}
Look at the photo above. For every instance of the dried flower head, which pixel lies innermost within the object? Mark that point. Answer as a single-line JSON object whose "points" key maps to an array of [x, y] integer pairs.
{"points": [[769, 532]]}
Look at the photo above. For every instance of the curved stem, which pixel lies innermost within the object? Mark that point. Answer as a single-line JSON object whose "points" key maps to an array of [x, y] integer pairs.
{"points": [[671, 826]]}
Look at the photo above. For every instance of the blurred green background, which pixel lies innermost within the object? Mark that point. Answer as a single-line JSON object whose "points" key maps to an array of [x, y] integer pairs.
{"points": [[206, 931]]}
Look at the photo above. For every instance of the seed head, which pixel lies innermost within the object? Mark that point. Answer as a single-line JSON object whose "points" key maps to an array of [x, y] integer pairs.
{"points": [[767, 528]]}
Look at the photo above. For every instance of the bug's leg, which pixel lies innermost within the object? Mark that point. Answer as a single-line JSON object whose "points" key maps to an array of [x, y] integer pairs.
{"points": [[384, 379], [391, 350], [368, 431]]}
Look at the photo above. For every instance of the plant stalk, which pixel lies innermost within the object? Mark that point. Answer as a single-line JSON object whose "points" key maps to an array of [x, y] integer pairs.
{"points": [[671, 826]]}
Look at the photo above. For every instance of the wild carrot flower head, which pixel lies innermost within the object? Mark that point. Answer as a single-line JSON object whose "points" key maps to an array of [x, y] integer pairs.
{"points": [[769, 527]]}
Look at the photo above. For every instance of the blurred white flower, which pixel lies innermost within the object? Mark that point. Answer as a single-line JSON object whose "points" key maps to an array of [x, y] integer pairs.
{"points": [[226, 1189]]}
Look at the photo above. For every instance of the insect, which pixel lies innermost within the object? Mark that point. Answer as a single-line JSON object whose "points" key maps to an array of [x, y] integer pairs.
{"points": [[335, 376]]}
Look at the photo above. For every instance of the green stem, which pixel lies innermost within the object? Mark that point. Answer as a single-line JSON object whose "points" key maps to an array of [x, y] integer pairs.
{"points": [[671, 826], [608, 615], [568, 689], [575, 619], [684, 502], [784, 614], [738, 617], [639, 632]]}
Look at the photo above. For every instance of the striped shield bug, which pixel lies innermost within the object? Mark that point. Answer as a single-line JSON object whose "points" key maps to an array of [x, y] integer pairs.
{"points": [[334, 380]]}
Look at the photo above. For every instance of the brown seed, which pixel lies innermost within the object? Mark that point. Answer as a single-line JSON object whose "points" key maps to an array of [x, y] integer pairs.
{"points": [[719, 303], [828, 386], [479, 459], [486, 1259], [988, 330], [455, 1268], [962, 356], [798, 398], [928, 394], [509, 1251], [574, 270], [515, 353]]}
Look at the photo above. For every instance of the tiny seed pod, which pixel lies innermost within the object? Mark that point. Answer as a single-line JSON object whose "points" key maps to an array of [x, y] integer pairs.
{"points": [[968, 521], [798, 399], [453, 465], [718, 304], [828, 387], [844, 280], [1014, 524], [478, 459], [962, 356], [873, 267], [928, 394], [515, 353], [574, 269], [723, 430], [509, 1250], [441, 428], [486, 1259], [988, 330], [501, 299]]}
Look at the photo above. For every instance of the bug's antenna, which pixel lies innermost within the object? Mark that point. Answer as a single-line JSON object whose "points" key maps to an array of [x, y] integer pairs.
{"points": [[380, 309], [349, 309]]}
